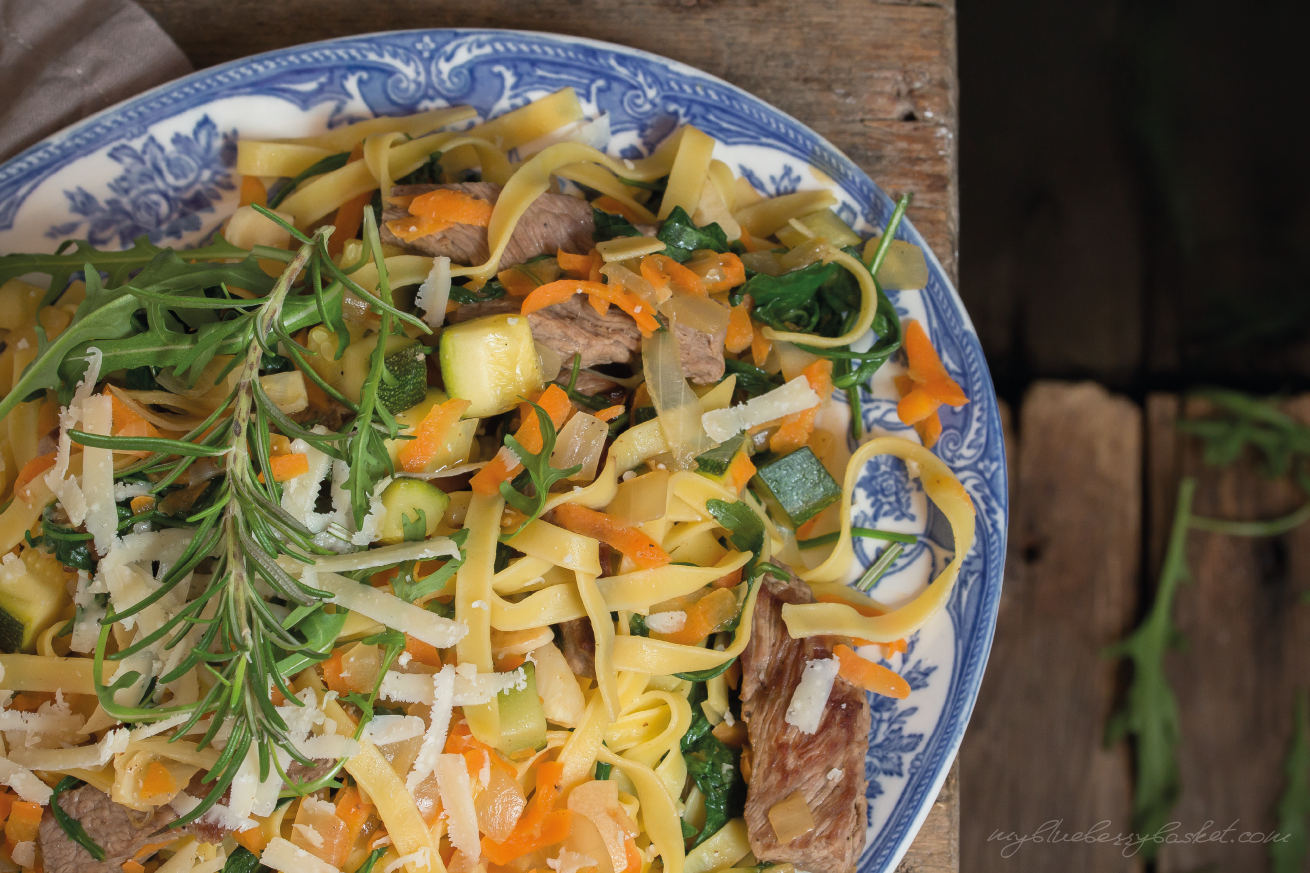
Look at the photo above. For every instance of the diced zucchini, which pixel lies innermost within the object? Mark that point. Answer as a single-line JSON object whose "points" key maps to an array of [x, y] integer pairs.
{"points": [[798, 485], [32, 602], [354, 365], [716, 461], [403, 499], [824, 223], [491, 362], [411, 373], [522, 720], [457, 447]]}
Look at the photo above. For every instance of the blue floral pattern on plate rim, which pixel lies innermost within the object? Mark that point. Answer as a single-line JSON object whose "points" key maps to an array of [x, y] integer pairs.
{"points": [[161, 164]]}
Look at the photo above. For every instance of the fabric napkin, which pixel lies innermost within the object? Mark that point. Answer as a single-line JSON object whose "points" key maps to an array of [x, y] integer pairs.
{"points": [[62, 60]]}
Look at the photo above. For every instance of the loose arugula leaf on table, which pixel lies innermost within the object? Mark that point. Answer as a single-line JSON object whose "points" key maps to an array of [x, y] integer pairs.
{"points": [[1251, 421], [715, 768], [682, 236], [541, 475], [1288, 853]]}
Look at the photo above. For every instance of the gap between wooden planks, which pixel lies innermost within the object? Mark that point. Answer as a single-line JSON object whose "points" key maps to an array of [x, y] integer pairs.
{"points": [[1090, 475]]}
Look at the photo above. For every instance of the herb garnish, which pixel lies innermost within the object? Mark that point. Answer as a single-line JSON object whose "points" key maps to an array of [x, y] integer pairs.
{"points": [[69, 825], [541, 475]]}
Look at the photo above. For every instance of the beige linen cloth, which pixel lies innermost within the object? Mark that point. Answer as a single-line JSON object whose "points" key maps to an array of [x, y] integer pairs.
{"points": [[62, 60]]}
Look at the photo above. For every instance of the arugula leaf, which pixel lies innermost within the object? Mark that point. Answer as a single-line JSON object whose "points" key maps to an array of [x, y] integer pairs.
{"points": [[69, 825], [750, 378], [372, 860], [541, 475], [410, 589], [1254, 422], [416, 530], [71, 547], [493, 290], [714, 768], [241, 861], [792, 301], [1288, 853], [428, 173], [326, 165], [610, 226], [682, 236]]}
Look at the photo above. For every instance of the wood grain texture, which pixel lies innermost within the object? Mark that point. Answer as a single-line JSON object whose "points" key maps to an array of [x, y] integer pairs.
{"points": [[1033, 754], [877, 79], [1245, 655]]}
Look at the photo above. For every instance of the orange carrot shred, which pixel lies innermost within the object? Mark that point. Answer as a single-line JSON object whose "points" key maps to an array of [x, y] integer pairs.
{"points": [[719, 271], [253, 191], [30, 471], [608, 204], [505, 466], [609, 413], [431, 434], [631, 541], [660, 270], [740, 333], [870, 676]]}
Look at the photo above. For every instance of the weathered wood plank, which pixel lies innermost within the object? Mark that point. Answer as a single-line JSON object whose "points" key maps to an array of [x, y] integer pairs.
{"points": [[937, 847], [877, 79], [1245, 657], [1033, 754]]}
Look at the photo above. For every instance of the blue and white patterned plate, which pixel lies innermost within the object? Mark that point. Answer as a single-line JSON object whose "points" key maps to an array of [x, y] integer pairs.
{"points": [[161, 164]]}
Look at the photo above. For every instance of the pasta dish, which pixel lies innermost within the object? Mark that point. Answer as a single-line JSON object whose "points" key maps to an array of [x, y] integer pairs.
{"points": [[475, 501]]}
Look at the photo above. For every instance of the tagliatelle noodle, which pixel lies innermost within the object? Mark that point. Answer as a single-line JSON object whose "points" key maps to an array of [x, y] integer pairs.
{"points": [[520, 574], [651, 749], [530, 181], [561, 547], [868, 308], [579, 751], [837, 619], [520, 126], [473, 586], [767, 216], [639, 590], [602, 180], [645, 655], [342, 139], [377, 156], [657, 808], [402, 270], [42, 674], [603, 629], [689, 171], [552, 605], [255, 158]]}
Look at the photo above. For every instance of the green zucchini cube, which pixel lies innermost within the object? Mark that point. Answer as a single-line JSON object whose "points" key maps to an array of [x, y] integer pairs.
{"points": [[797, 485]]}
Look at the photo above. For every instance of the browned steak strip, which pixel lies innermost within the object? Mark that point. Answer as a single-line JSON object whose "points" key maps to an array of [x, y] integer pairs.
{"points": [[551, 223], [578, 642], [785, 760], [120, 831], [575, 327]]}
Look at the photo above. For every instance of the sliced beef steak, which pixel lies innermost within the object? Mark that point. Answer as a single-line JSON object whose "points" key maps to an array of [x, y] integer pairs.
{"points": [[552, 222], [785, 759], [578, 642], [575, 327], [120, 831]]}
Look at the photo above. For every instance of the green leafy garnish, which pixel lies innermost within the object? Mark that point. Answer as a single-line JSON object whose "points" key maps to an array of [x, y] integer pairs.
{"points": [[610, 226], [241, 861], [406, 587], [1287, 854], [714, 768], [751, 380], [540, 474], [682, 236], [69, 825], [372, 860]]}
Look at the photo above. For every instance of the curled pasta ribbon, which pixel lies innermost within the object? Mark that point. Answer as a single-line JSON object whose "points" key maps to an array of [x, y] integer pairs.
{"points": [[837, 619], [659, 657], [658, 812], [868, 307], [532, 180], [473, 595]]}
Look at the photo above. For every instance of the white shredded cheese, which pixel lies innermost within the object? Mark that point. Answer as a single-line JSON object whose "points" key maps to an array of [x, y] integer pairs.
{"points": [[387, 609], [384, 730], [78, 758], [283, 855], [244, 785], [368, 529], [835, 774], [667, 622], [795, 396], [442, 701], [473, 688], [98, 474], [423, 550], [408, 687], [421, 858], [300, 494], [328, 746], [24, 854], [457, 799], [570, 862], [811, 695], [313, 837], [434, 293], [24, 782]]}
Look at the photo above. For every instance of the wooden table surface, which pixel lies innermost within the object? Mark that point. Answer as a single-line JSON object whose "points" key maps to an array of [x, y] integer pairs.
{"points": [[876, 78]]}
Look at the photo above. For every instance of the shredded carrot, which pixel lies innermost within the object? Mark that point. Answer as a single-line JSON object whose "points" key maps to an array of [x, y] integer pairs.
{"points": [[30, 471], [7, 799], [562, 289], [660, 270], [424, 653], [286, 467], [431, 434], [576, 266], [631, 541], [609, 413], [253, 191], [929, 430], [728, 580], [509, 663], [23, 823], [933, 386], [740, 333], [517, 283], [797, 426], [352, 810], [751, 244], [869, 612], [555, 292], [131, 866], [142, 503], [719, 271], [350, 217], [332, 677], [540, 825], [157, 782], [505, 466], [437, 210], [608, 204], [704, 617], [126, 422], [760, 345], [461, 741], [870, 676], [633, 855], [252, 840], [47, 416]]}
